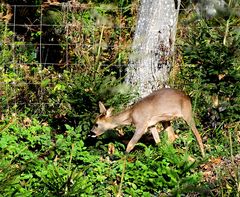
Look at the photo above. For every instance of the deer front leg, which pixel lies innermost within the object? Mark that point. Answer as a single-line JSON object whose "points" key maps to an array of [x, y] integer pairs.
{"points": [[137, 135], [155, 134]]}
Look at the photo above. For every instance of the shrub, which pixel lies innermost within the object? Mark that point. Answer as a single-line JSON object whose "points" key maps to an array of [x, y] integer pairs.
{"points": [[210, 71]]}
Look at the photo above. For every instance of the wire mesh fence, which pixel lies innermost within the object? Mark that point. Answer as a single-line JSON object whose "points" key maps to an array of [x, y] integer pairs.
{"points": [[40, 43], [43, 46]]}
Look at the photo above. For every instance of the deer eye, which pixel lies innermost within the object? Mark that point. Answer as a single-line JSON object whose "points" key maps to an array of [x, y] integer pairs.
{"points": [[96, 124]]}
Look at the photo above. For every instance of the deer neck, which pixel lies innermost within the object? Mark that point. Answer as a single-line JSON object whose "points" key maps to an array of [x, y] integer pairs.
{"points": [[122, 118]]}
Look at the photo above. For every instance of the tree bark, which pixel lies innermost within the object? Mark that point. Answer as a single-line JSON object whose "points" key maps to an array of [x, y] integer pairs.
{"points": [[153, 45]]}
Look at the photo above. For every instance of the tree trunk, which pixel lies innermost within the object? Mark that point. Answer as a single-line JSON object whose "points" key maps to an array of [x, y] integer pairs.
{"points": [[153, 45]]}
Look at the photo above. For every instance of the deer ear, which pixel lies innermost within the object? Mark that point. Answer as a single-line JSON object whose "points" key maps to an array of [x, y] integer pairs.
{"points": [[102, 108], [109, 112]]}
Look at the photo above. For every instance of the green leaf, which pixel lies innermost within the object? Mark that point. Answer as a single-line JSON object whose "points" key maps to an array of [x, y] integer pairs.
{"points": [[45, 82]]}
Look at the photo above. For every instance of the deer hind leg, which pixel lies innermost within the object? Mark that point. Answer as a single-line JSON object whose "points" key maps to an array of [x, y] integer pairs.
{"points": [[170, 132], [191, 123], [137, 135], [187, 116]]}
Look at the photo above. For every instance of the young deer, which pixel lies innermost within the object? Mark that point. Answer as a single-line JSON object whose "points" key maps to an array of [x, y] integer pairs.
{"points": [[162, 106]]}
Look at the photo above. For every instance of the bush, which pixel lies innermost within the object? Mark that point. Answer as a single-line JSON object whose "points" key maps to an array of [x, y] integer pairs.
{"points": [[210, 72], [45, 163]]}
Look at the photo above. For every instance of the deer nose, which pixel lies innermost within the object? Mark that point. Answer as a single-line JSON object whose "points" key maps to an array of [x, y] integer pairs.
{"points": [[92, 133]]}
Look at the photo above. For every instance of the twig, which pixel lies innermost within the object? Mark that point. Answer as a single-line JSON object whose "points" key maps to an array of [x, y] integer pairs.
{"points": [[122, 178], [227, 26]]}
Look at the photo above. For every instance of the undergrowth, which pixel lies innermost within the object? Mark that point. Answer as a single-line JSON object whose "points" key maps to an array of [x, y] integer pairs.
{"points": [[47, 110]]}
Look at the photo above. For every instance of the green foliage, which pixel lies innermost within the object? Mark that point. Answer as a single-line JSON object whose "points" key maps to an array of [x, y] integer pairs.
{"points": [[155, 170], [9, 176], [47, 111], [211, 70], [6, 49], [120, 3], [61, 165]]}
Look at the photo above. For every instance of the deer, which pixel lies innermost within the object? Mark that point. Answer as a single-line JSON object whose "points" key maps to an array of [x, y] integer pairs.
{"points": [[163, 105]]}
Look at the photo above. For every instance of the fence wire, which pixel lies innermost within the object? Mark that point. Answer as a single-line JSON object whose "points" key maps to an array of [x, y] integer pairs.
{"points": [[67, 24], [64, 23]]}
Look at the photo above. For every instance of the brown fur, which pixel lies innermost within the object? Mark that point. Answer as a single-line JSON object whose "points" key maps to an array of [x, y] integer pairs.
{"points": [[162, 105]]}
